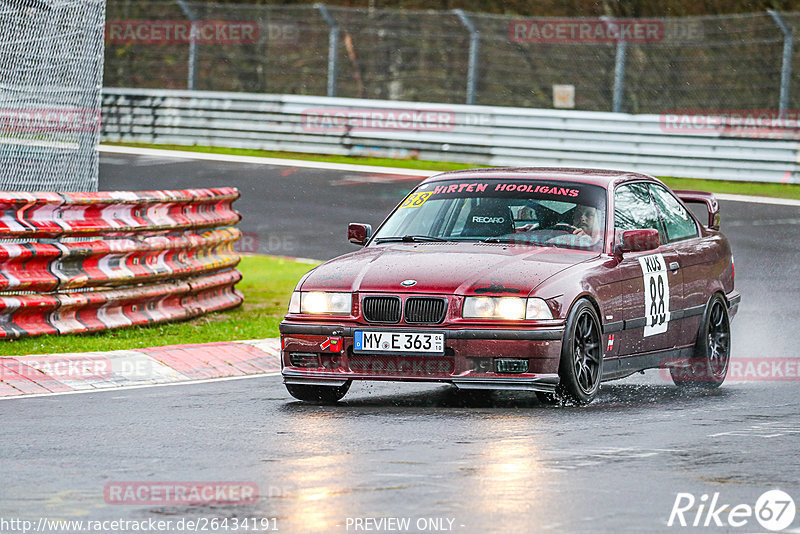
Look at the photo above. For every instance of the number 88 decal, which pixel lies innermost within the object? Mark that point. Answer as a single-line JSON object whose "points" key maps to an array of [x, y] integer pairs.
{"points": [[657, 305], [656, 297]]}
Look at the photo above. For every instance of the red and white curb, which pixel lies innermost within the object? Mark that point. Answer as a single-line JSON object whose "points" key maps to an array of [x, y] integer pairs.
{"points": [[49, 374]]}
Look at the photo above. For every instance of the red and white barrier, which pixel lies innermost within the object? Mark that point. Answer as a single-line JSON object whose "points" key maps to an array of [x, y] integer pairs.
{"points": [[155, 256], [43, 215], [115, 260]]}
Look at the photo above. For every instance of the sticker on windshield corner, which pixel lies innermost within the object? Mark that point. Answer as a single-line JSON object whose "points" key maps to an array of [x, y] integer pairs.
{"points": [[656, 294], [416, 200]]}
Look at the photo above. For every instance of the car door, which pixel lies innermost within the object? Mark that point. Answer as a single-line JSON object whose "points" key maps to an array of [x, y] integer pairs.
{"points": [[651, 281], [683, 236]]}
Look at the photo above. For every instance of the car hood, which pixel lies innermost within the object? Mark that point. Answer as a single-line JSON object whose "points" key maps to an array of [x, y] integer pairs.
{"points": [[444, 268]]}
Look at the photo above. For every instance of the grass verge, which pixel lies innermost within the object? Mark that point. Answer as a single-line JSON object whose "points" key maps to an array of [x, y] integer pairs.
{"points": [[267, 284], [714, 186]]}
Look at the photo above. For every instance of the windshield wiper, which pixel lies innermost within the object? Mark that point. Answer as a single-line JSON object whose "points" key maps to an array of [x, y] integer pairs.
{"points": [[408, 239], [512, 241], [499, 240]]}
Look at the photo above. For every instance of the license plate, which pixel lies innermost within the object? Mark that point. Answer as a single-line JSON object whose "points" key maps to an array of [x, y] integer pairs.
{"points": [[398, 342]]}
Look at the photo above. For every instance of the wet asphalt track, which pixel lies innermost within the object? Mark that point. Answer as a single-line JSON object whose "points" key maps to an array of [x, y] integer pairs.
{"points": [[497, 464]]}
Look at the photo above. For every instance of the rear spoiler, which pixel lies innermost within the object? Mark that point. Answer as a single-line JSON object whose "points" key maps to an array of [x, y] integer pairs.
{"points": [[701, 197]]}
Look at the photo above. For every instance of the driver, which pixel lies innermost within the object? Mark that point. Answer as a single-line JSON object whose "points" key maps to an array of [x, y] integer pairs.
{"points": [[585, 221]]}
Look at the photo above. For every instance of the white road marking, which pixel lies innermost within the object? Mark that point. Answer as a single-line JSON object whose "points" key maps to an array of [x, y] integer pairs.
{"points": [[253, 160], [763, 430], [140, 386]]}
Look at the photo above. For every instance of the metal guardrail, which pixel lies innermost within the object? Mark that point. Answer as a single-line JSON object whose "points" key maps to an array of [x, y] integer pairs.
{"points": [[96, 261], [664, 145]]}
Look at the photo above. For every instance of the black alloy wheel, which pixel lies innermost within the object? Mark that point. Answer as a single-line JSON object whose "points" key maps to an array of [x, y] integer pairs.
{"points": [[581, 367]]}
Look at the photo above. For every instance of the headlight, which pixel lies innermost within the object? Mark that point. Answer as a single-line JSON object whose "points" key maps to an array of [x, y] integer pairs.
{"points": [[318, 302], [508, 308]]}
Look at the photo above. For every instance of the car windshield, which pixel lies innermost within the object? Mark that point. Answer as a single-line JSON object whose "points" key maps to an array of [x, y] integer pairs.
{"points": [[557, 214]]}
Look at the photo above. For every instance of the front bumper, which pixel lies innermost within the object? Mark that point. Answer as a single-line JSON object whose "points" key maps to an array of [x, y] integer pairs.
{"points": [[468, 362], [734, 299]]}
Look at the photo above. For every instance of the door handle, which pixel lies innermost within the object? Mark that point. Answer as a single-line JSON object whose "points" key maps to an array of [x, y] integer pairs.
{"points": [[674, 266]]}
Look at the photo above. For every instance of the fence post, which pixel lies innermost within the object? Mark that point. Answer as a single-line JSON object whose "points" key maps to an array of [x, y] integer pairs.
{"points": [[192, 45], [474, 45], [619, 69], [333, 45], [786, 67]]}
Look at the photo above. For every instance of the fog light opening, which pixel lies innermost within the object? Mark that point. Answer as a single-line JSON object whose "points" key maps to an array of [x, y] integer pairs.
{"points": [[304, 359], [510, 365]]}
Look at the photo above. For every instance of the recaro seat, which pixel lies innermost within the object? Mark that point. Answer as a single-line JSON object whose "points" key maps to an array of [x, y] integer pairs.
{"points": [[489, 219]]}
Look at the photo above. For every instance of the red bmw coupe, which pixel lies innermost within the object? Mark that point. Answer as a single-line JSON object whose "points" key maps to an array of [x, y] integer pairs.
{"points": [[540, 279]]}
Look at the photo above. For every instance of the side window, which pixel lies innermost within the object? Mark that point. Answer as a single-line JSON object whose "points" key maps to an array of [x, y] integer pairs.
{"points": [[679, 224], [633, 209]]}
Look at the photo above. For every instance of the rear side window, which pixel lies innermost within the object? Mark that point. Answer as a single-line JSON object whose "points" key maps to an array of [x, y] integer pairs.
{"points": [[633, 208], [677, 221]]}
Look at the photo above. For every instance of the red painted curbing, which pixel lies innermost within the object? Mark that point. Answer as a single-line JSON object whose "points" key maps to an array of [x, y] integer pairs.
{"points": [[59, 373]]}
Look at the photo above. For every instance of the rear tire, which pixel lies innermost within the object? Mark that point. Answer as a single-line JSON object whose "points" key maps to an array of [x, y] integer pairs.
{"points": [[709, 363], [318, 394], [581, 366]]}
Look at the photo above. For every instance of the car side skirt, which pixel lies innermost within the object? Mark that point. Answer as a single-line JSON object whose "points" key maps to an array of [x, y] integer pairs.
{"points": [[617, 368]]}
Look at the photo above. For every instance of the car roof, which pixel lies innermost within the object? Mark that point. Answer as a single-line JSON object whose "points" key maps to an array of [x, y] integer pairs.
{"points": [[602, 177]]}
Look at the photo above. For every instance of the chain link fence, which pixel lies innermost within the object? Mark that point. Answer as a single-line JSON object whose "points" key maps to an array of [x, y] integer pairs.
{"points": [[700, 63], [50, 82]]}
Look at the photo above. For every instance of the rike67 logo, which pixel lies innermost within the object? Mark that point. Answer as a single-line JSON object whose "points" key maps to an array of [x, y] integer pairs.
{"points": [[774, 510]]}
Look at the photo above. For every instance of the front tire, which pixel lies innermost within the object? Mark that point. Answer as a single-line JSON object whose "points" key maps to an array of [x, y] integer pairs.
{"points": [[318, 394], [709, 364], [581, 366]]}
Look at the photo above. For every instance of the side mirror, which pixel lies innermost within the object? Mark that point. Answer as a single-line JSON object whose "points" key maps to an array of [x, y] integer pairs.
{"points": [[359, 233], [639, 240]]}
